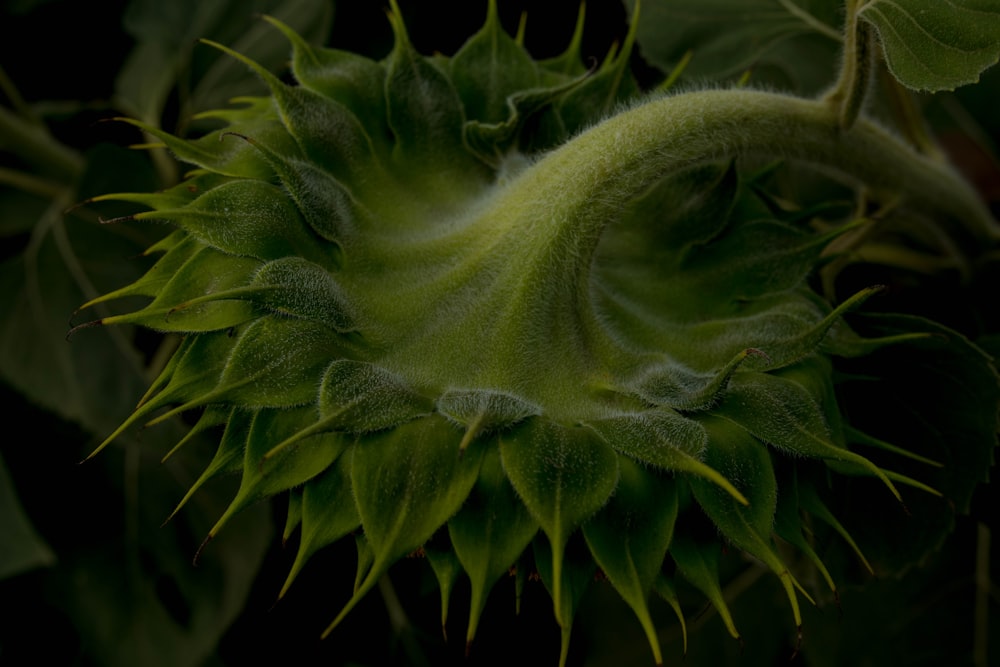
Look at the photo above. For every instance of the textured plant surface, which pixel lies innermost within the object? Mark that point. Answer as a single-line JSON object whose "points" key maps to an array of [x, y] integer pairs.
{"points": [[532, 332]]}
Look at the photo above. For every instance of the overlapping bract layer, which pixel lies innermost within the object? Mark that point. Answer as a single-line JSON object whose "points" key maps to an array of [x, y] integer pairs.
{"points": [[329, 275]]}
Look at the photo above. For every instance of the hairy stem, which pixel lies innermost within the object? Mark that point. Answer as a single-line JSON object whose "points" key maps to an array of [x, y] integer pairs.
{"points": [[568, 197], [848, 96], [515, 272]]}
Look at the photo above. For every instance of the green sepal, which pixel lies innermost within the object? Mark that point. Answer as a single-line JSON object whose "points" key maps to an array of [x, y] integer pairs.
{"points": [[942, 387], [327, 206], [566, 583], [250, 112], [782, 413], [501, 89], [269, 366], [324, 129], [789, 526], [488, 69], [664, 587], [187, 302], [489, 533], [675, 386], [629, 537], [570, 61], [563, 475], [328, 513], [698, 563], [446, 567], [246, 218], [356, 81], [272, 362], [605, 90], [211, 417], [177, 252], [358, 397], [408, 482], [736, 454], [293, 515], [290, 286], [803, 343], [664, 439], [229, 158], [809, 501], [294, 467], [193, 371], [493, 141], [425, 114], [228, 457], [198, 181], [860, 438], [484, 411], [298, 288], [754, 259]]}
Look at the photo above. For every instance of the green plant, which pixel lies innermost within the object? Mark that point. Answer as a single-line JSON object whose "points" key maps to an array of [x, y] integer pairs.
{"points": [[516, 315]]}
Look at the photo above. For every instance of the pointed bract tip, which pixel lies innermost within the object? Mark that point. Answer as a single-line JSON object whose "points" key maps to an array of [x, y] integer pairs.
{"points": [[201, 547]]}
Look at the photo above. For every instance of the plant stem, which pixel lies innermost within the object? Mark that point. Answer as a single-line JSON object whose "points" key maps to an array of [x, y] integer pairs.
{"points": [[526, 255], [848, 96], [567, 198]]}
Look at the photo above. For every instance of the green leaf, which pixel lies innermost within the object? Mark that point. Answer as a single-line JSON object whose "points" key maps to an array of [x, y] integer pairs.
{"points": [[489, 533], [21, 547], [563, 475], [166, 55], [936, 396], [407, 483], [629, 538], [95, 378], [789, 43], [933, 45]]}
